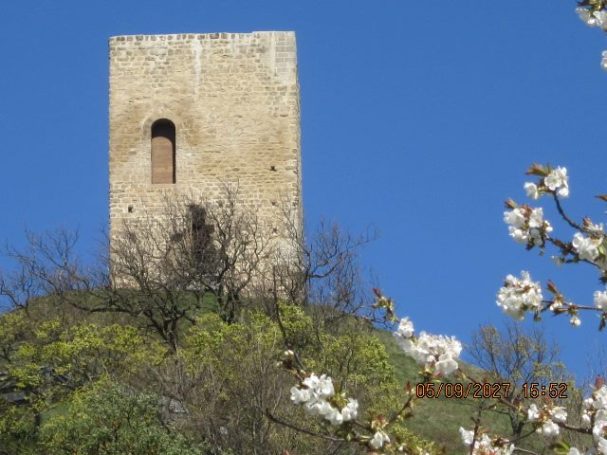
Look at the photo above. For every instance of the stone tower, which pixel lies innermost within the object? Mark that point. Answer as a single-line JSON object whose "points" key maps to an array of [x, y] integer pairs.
{"points": [[192, 112]]}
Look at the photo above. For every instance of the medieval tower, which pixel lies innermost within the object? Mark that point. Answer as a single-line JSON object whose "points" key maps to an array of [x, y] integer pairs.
{"points": [[192, 112]]}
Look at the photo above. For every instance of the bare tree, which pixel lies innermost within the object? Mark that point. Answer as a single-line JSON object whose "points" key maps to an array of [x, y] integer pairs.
{"points": [[160, 269], [47, 265], [519, 357], [163, 269], [325, 273], [168, 268]]}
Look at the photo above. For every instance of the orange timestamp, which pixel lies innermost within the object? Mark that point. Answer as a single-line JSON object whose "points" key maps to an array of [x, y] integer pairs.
{"points": [[550, 390], [488, 390]]}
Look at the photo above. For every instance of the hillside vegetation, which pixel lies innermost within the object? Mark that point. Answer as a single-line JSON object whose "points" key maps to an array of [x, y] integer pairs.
{"points": [[75, 382], [183, 341]]}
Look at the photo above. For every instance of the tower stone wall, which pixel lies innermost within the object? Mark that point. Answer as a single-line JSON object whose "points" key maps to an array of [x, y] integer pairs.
{"points": [[233, 99]]}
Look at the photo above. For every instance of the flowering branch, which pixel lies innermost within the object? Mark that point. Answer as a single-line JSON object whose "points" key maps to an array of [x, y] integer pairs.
{"points": [[559, 208], [316, 394], [527, 225], [593, 14]]}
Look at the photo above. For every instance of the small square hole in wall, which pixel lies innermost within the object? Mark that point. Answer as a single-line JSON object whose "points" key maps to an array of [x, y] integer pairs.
{"points": [[273, 168], [130, 209]]}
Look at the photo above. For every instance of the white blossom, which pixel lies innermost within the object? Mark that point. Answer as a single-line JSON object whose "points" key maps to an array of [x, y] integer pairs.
{"points": [[319, 407], [586, 16], [600, 300], [598, 432], [593, 18], [533, 413], [379, 439], [575, 321], [527, 225], [405, 328], [557, 180], [536, 219], [558, 414], [300, 395], [314, 393], [600, 18], [334, 416], [556, 305], [575, 451], [466, 435], [445, 365], [519, 295], [549, 429], [435, 352], [350, 410], [600, 398], [586, 247], [595, 413], [532, 190], [547, 418], [516, 217], [604, 60], [484, 445], [321, 387]]}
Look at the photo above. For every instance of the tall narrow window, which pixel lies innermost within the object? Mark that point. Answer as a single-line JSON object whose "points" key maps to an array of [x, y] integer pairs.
{"points": [[163, 151]]}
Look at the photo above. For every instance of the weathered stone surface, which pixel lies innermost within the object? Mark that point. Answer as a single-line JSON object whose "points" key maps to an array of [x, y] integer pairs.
{"points": [[234, 101]]}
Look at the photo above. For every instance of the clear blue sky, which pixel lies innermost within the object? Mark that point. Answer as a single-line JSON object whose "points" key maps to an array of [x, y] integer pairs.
{"points": [[418, 118]]}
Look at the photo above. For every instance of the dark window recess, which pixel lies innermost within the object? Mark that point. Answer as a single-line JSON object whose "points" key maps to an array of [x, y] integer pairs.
{"points": [[163, 151]]}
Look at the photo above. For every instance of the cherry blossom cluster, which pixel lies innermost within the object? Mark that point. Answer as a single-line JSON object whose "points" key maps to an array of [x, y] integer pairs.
{"points": [[485, 445], [593, 14], [587, 248], [315, 394], [379, 439], [519, 295], [589, 245], [592, 17], [547, 419], [526, 224], [437, 353], [552, 180], [594, 415]]}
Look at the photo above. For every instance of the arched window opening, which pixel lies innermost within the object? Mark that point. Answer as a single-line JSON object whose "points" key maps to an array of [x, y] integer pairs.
{"points": [[163, 151]]}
